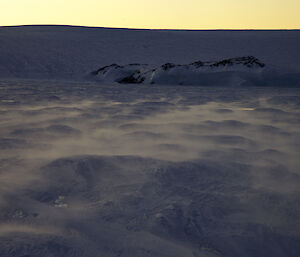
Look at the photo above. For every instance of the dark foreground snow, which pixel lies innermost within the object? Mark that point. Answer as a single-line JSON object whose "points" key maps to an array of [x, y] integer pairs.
{"points": [[148, 171]]}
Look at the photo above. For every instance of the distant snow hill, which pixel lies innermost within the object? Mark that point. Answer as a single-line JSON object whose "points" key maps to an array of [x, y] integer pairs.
{"points": [[72, 53]]}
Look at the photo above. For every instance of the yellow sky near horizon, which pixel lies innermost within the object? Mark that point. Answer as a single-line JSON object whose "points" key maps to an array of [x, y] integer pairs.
{"points": [[155, 14]]}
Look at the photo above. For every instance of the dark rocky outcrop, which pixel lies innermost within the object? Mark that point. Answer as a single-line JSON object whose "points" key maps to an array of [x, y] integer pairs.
{"points": [[198, 72]]}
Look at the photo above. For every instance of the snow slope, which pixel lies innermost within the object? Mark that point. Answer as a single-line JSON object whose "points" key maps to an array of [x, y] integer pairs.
{"points": [[73, 52]]}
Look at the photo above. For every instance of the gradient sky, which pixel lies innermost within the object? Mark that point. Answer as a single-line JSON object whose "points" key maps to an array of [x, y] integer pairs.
{"points": [[158, 14]]}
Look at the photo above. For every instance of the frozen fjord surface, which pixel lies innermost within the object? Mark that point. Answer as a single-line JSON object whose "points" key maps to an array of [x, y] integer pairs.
{"points": [[73, 52], [130, 170]]}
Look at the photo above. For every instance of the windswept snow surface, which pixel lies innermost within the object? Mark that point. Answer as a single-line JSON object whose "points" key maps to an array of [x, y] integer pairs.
{"points": [[98, 168], [131, 170]]}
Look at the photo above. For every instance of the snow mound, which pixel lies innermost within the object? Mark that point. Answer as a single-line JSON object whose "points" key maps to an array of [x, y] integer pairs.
{"points": [[235, 70]]}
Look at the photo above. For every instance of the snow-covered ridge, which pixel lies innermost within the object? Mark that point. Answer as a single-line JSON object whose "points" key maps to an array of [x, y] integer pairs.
{"points": [[233, 70], [63, 52]]}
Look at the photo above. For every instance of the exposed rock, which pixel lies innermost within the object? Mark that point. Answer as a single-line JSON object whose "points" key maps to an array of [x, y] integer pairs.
{"points": [[248, 61], [181, 74], [168, 66]]}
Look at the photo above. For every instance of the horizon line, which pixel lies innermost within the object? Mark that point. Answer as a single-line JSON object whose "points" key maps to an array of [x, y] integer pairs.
{"points": [[155, 29]]}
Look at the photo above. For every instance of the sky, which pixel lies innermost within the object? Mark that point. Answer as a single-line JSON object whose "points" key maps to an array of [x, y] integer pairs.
{"points": [[155, 14]]}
